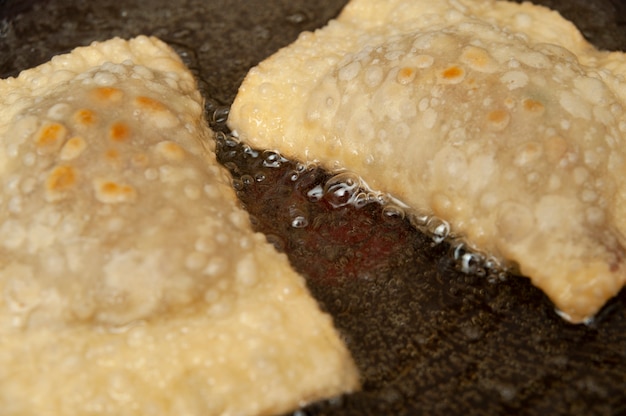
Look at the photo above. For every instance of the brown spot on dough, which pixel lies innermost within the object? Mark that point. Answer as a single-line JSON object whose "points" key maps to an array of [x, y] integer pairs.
{"points": [[50, 135], [73, 148], [85, 117], [157, 113], [61, 179], [452, 75], [478, 59], [147, 103], [452, 72], [107, 94], [405, 75], [170, 150], [533, 106], [498, 119], [111, 192], [119, 132]]}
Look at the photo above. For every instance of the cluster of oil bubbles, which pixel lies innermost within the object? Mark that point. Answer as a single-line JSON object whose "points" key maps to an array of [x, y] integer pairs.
{"points": [[468, 259], [343, 189], [472, 261], [348, 188]]}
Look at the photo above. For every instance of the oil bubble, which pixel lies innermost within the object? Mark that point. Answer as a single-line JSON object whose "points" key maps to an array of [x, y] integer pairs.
{"points": [[220, 115], [231, 166], [492, 263], [247, 180], [418, 221], [382, 198], [238, 184], [297, 18], [299, 222], [362, 199], [220, 136], [259, 176], [187, 54], [315, 194], [227, 140], [391, 212], [298, 218], [475, 262], [272, 159], [249, 151], [438, 229], [471, 263], [209, 105], [496, 275], [342, 189], [299, 169], [468, 260]]}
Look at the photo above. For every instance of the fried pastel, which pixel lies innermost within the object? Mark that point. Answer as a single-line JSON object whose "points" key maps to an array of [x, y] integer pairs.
{"points": [[494, 116], [131, 282]]}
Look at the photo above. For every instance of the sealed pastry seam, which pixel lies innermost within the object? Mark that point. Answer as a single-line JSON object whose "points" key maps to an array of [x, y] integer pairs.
{"points": [[495, 116], [131, 281]]}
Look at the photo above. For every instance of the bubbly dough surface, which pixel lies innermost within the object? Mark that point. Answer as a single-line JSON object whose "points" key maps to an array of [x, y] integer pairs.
{"points": [[131, 283], [494, 116]]}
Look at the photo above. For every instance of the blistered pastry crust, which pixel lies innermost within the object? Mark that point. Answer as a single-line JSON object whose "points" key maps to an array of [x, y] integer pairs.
{"points": [[131, 281], [494, 116]]}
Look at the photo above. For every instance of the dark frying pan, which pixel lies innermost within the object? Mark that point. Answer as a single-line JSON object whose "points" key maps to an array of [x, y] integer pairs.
{"points": [[427, 338]]}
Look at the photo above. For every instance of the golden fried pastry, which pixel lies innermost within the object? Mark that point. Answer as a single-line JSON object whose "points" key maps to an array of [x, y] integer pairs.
{"points": [[496, 117], [131, 282]]}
